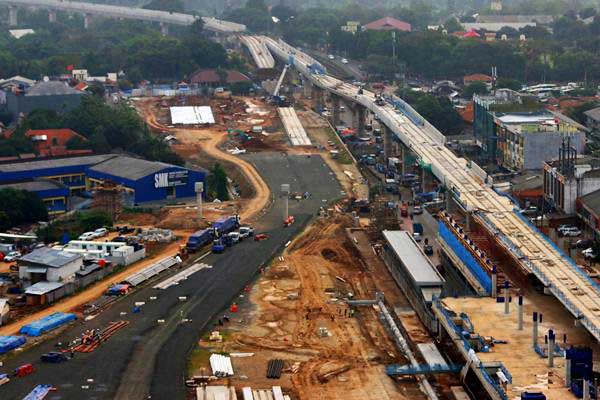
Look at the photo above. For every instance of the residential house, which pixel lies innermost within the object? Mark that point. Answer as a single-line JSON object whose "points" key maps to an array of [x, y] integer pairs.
{"points": [[592, 120], [210, 77], [50, 95], [388, 24]]}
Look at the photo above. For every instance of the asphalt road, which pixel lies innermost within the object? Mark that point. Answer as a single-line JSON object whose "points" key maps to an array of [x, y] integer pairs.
{"points": [[351, 70], [148, 358]]}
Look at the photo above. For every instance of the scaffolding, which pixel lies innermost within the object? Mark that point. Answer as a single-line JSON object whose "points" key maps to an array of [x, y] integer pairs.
{"points": [[108, 197]]}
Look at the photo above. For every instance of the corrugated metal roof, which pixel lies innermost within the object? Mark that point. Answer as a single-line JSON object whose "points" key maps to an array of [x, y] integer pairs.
{"points": [[415, 261], [41, 288], [51, 88], [149, 272], [594, 113], [129, 167], [49, 257], [55, 163], [34, 186]]}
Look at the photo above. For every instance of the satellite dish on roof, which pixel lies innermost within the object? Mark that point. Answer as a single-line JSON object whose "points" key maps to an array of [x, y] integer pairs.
{"points": [[46, 79]]}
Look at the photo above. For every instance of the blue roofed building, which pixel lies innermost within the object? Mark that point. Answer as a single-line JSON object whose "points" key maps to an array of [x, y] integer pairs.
{"points": [[142, 180]]}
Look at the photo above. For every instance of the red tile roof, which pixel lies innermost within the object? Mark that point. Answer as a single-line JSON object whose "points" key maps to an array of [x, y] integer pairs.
{"points": [[388, 24], [471, 34], [55, 141], [210, 76], [477, 78]]}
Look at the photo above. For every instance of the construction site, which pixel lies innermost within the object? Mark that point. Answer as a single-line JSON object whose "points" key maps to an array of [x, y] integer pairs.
{"points": [[382, 266]]}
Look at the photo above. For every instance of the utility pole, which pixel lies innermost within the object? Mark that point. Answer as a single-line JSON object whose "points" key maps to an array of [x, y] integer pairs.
{"points": [[199, 189], [285, 192]]}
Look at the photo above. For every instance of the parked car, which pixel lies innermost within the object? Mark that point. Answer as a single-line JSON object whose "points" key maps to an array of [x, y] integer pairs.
{"points": [[87, 236], [571, 232], [582, 244], [589, 253], [344, 61], [417, 236], [235, 237], [100, 232], [4, 378], [260, 237], [428, 249], [54, 357], [417, 210], [246, 231], [12, 256], [331, 57]]}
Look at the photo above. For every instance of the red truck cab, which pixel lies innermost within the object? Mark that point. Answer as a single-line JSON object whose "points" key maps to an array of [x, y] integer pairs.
{"points": [[24, 370]]}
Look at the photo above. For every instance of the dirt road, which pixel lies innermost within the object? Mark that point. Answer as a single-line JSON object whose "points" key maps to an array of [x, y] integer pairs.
{"points": [[298, 318], [208, 141], [72, 302]]}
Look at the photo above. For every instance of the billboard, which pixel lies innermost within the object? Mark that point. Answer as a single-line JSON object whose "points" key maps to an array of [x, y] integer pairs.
{"points": [[169, 179]]}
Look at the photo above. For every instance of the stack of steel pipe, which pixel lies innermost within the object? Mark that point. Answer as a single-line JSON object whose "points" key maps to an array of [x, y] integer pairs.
{"points": [[274, 369]]}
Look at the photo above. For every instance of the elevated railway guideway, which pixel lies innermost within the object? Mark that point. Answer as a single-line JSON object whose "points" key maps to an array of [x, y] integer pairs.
{"points": [[562, 277], [111, 11], [260, 54]]}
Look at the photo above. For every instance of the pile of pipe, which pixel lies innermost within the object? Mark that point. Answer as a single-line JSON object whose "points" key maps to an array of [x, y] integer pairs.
{"points": [[221, 365]]}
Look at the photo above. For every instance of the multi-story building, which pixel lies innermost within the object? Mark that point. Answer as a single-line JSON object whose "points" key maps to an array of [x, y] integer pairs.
{"points": [[527, 140], [568, 179], [516, 133]]}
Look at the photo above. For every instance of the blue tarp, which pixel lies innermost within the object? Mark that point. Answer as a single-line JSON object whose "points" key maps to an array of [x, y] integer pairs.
{"points": [[38, 393], [46, 324], [8, 343], [466, 257]]}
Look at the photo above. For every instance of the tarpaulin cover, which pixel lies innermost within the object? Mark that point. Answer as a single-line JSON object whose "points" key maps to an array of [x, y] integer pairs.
{"points": [[8, 343], [46, 324]]}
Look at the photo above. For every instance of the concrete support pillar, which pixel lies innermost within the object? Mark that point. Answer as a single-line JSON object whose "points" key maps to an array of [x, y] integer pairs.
{"points": [[586, 389], [520, 314], [551, 341], [86, 21], [164, 29], [388, 144], [358, 117], [467, 216], [535, 329], [494, 291], [506, 298], [52, 16], [336, 109], [317, 94], [12, 16], [568, 373]]}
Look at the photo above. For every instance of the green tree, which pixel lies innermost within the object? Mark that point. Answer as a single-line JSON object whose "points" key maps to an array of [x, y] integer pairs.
{"points": [[508, 83], [452, 25], [20, 207], [474, 88], [217, 183]]}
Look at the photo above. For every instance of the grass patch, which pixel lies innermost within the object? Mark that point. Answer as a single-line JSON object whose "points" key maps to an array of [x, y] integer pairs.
{"points": [[343, 156], [198, 359]]}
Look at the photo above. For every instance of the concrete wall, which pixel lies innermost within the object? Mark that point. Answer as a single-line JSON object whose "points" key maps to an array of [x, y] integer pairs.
{"points": [[25, 104], [543, 146]]}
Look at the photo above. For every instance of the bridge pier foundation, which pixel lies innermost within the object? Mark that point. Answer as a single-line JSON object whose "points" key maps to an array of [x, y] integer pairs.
{"points": [[87, 19], [164, 29], [336, 109], [52, 16], [12, 16], [358, 119]]}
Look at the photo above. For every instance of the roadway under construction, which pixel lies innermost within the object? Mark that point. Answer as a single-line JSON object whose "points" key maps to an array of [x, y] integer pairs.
{"points": [[467, 184]]}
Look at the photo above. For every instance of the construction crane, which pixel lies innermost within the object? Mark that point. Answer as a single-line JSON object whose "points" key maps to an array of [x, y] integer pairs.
{"points": [[275, 97]]}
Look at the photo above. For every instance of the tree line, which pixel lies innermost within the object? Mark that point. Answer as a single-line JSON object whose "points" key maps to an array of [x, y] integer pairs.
{"points": [[134, 47], [107, 128]]}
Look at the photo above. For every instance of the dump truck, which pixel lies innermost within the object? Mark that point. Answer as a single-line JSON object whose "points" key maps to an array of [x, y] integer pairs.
{"points": [[198, 240], [225, 225]]}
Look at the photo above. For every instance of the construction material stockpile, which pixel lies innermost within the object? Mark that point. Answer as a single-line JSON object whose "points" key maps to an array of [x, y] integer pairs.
{"points": [[8, 343], [274, 369], [47, 324], [221, 365]]}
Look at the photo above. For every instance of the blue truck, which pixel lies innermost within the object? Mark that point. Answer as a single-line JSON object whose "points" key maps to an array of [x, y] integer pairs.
{"points": [[199, 239], [225, 225], [218, 246]]}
